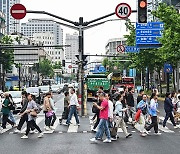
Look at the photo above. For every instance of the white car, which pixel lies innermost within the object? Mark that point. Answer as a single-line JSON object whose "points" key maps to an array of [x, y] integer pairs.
{"points": [[55, 88], [17, 98], [33, 90], [44, 89]]}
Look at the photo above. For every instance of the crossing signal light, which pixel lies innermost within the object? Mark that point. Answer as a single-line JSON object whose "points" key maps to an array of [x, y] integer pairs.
{"points": [[142, 11], [63, 63]]}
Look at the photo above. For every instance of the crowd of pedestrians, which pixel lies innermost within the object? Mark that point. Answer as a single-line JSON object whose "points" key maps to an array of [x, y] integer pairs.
{"points": [[111, 112], [114, 111]]}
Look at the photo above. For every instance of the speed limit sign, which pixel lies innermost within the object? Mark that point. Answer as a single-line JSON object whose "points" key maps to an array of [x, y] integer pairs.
{"points": [[123, 10]]}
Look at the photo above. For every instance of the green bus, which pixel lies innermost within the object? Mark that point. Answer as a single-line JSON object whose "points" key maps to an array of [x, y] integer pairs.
{"points": [[95, 81]]}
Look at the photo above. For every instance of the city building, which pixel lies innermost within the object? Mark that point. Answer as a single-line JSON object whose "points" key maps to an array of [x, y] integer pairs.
{"points": [[2, 24], [72, 51], [47, 39], [112, 44], [34, 26], [26, 58], [12, 25]]}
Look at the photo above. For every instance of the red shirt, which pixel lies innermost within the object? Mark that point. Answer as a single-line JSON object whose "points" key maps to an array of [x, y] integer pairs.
{"points": [[104, 112]]}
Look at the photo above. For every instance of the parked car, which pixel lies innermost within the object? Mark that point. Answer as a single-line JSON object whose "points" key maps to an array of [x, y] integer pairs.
{"points": [[45, 89], [55, 88], [36, 92], [17, 98]]}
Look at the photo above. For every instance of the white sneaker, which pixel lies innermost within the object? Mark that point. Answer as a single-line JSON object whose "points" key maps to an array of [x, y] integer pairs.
{"points": [[143, 134], [40, 135], [157, 133], [17, 131], [52, 128], [113, 138], [32, 131], [24, 137], [175, 127], [165, 127], [107, 141], [93, 140], [146, 132], [78, 124], [47, 128]]}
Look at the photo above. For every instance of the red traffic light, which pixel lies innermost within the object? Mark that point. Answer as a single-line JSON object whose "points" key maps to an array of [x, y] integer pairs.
{"points": [[142, 4]]}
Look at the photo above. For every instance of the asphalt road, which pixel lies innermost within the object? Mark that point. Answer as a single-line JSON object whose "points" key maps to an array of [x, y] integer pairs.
{"points": [[75, 140]]}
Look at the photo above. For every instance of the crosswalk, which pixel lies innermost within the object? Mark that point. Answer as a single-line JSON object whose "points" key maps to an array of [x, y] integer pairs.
{"points": [[85, 127]]}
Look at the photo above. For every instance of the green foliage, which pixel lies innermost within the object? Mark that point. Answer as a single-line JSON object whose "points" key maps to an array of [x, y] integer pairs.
{"points": [[57, 65], [131, 38], [171, 35], [7, 57], [46, 68]]}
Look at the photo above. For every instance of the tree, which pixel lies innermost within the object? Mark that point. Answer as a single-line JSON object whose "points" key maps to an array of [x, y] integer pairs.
{"points": [[45, 68], [7, 57], [57, 65], [170, 39]]}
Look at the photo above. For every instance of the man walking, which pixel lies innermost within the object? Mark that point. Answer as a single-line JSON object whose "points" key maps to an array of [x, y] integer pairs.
{"points": [[73, 108], [168, 107], [103, 124]]}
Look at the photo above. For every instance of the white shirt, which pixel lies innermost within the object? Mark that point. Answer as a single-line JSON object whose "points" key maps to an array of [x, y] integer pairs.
{"points": [[110, 109], [74, 100]]}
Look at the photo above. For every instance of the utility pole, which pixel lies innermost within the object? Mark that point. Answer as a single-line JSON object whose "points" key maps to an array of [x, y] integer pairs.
{"points": [[167, 82]]}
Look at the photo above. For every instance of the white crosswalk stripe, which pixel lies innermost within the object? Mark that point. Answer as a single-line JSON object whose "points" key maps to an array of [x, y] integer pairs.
{"points": [[73, 128], [38, 120]]}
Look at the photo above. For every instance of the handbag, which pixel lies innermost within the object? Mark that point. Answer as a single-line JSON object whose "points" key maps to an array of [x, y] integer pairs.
{"points": [[94, 109], [33, 113], [49, 114], [137, 115], [113, 130]]}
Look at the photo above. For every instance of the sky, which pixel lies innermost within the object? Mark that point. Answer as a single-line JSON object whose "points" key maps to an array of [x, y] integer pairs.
{"points": [[95, 38]]}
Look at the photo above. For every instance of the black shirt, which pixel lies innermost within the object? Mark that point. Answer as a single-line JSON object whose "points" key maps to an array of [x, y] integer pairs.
{"points": [[139, 98], [130, 99]]}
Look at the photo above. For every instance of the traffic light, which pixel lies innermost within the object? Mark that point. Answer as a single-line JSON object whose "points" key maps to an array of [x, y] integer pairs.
{"points": [[63, 63], [142, 11]]}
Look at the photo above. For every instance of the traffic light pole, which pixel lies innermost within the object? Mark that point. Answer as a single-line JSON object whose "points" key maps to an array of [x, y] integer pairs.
{"points": [[80, 27]]}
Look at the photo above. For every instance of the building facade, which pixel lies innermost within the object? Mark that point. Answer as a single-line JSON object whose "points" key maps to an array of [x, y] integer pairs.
{"points": [[41, 26], [112, 44], [70, 52], [12, 25], [2, 24], [46, 39]]}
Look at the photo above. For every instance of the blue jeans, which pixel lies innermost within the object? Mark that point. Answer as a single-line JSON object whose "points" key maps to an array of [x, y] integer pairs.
{"points": [[103, 126], [71, 112], [11, 117]]}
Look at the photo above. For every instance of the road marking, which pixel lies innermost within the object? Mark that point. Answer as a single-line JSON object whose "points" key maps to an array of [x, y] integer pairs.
{"points": [[162, 118], [165, 130], [120, 130], [8, 127], [38, 120], [52, 131], [72, 127]]}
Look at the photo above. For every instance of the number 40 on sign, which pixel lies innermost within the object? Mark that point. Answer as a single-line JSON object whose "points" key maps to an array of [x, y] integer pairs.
{"points": [[123, 10]]}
